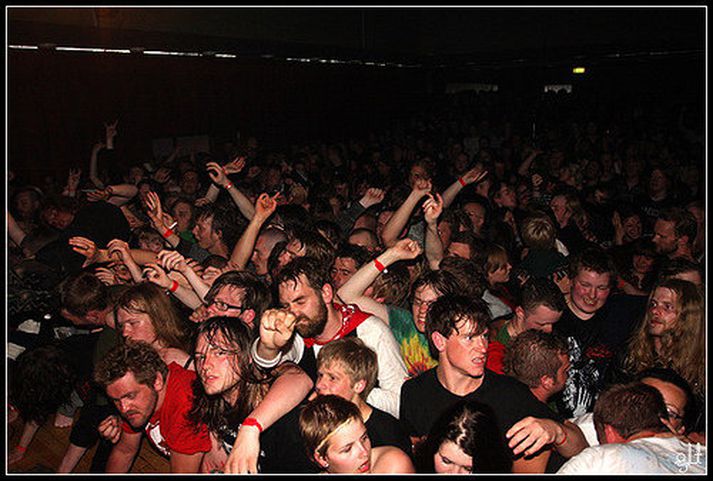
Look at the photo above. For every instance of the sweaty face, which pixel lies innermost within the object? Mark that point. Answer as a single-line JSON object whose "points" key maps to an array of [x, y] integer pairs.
{"points": [[307, 305], [589, 291], [217, 366], [135, 402], [423, 297], [665, 237], [662, 312], [228, 301], [333, 379], [136, 326], [349, 449], [541, 318], [342, 270], [465, 350], [450, 459]]}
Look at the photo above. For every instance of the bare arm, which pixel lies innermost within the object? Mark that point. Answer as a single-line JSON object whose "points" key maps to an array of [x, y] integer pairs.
{"points": [[185, 463], [524, 168], [288, 390], [530, 435], [93, 174], [264, 207], [433, 248], [473, 175], [174, 261], [124, 452], [17, 235], [398, 221], [219, 175], [352, 291]]}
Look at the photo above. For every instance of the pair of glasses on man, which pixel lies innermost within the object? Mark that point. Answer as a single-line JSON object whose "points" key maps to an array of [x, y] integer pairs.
{"points": [[223, 307]]}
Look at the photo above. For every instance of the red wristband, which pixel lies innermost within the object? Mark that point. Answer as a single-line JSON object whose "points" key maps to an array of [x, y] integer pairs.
{"points": [[174, 287], [229, 185], [462, 182], [381, 267], [22, 449], [253, 422], [168, 233]]}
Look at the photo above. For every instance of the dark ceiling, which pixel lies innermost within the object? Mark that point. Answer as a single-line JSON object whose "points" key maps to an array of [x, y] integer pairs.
{"points": [[419, 35]]}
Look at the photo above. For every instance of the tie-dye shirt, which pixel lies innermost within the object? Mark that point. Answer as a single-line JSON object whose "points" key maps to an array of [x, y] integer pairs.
{"points": [[413, 344]]}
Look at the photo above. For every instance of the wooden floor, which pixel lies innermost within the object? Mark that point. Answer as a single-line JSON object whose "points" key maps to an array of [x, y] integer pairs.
{"points": [[47, 449]]}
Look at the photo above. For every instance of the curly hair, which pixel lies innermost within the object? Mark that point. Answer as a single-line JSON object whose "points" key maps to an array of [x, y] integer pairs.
{"points": [[138, 358], [40, 381], [683, 346]]}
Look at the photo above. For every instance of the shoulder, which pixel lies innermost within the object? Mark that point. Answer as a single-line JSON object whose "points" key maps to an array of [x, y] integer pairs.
{"points": [[390, 459]]}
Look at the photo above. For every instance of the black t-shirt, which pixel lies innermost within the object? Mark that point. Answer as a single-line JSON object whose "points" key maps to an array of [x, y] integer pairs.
{"points": [[281, 446], [385, 430], [424, 399], [593, 344]]}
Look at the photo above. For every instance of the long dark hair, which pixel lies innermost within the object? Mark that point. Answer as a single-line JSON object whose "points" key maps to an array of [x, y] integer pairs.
{"points": [[253, 383], [471, 426]]}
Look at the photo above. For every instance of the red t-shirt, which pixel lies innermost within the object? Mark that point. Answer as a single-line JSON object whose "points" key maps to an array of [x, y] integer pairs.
{"points": [[169, 428], [496, 356]]}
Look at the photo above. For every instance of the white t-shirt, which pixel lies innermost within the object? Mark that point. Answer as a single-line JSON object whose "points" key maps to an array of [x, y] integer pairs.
{"points": [[653, 455]]}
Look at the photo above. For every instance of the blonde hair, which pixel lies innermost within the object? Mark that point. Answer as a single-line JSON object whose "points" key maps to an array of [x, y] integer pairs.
{"points": [[538, 232], [321, 418], [497, 258], [682, 346], [357, 360]]}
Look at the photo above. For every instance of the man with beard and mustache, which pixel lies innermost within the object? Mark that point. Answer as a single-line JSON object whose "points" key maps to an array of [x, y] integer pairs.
{"points": [[309, 307], [153, 398]]}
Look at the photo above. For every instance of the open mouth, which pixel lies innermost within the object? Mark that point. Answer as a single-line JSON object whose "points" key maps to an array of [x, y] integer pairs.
{"points": [[364, 467]]}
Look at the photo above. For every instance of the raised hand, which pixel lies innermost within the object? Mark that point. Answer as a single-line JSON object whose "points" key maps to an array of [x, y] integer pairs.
{"points": [[476, 174], [73, 179], [111, 131], [110, 429], [276, 328], [153, 208], [210, 274], [406, 249], [107, 276], [432, 208], [373, 196], [119, 248], [265, 206], [537, 181], [200, 314], [422, 187], [234, 166], [217, 174], [202, 201], [155, 274], [85, 247], [195, 266], [97, 147], [173, 261], [98, 195]]}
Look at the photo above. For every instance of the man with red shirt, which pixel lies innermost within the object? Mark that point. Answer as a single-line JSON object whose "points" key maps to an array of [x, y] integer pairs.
{"points": [[152, 398]]}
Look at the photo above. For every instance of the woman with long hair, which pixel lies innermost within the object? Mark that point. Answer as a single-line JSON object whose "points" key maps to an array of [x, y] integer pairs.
{"points": [[464, 440], [672, 334]]}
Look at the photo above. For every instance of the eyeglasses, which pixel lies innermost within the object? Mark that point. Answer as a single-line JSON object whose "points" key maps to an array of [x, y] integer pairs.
{"points": [[673, 414], [222, 306]]}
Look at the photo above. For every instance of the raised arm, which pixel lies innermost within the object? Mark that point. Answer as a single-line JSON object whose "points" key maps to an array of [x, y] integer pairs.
{"points": [[524, 168], [219, 175], [17, 235], [118, 195], [93, 173], [348, 216], [122, 249], [264, 208], [473, 175], [174, 261], [352, 292], [70, 190], [398, 221], [433, 247], [157, 275], [154, 210]]}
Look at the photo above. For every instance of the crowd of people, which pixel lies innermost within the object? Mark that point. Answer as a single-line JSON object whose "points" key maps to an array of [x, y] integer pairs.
{"points": [[453, 294]]}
